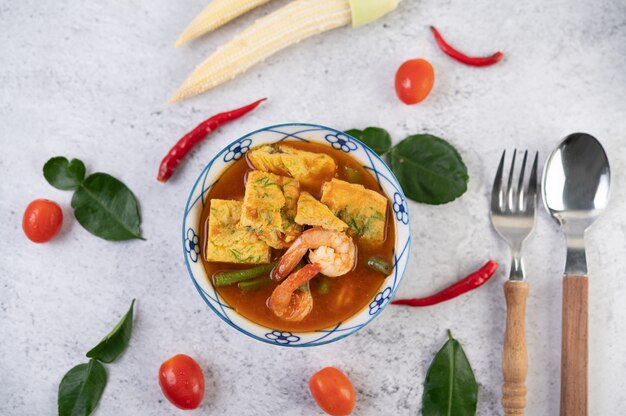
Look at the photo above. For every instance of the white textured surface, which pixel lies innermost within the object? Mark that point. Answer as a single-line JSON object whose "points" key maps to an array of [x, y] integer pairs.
{"points": [[90, 80]]}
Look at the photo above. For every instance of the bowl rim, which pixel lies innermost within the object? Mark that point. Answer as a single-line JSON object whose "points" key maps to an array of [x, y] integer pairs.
{"points": [[349, 331]]}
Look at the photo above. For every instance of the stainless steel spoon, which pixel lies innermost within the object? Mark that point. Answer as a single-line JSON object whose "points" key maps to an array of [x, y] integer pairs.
{"points": [[576, 183]]}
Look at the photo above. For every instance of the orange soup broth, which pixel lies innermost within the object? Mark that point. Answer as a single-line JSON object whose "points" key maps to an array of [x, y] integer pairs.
{"points": [[348, 293]]}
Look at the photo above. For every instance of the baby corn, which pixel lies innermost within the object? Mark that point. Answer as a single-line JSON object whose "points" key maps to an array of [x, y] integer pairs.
{"points": [[216, 14], [296, 21]]}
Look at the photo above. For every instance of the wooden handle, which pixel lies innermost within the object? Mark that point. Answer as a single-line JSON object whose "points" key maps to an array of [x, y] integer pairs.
{"points": [[515, 357], [574, 347]]}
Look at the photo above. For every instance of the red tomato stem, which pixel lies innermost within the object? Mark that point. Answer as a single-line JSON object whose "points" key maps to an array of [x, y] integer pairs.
{"points": [[471, 282], [463, 58], [177, 153]]}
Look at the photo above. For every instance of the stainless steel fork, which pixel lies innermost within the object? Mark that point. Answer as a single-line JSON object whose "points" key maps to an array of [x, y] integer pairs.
{"points": [[513, 206]]}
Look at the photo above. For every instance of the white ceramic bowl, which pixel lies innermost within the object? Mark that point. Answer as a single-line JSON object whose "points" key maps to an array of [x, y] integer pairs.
{"points": [[308, 133]]}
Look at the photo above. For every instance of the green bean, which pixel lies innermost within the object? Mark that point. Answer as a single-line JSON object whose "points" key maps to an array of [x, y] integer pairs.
{"points": [[323, 285], [236, 276], [353, 175], [256, 284], [380, 265]]}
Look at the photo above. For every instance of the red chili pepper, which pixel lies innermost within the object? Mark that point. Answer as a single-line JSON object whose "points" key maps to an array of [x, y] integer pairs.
{"points": [[474, 280], [177, 153], [463, 58]]}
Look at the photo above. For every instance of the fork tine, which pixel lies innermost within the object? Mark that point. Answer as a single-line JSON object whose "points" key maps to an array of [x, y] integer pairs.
{"points": [[511, 206], [521, 189], [532, 187], [497, 192]]}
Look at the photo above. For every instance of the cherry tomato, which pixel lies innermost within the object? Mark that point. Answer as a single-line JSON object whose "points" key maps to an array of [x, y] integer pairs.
{"points": [[414, 80], [182, 381], [42, 220], [333, 391]]}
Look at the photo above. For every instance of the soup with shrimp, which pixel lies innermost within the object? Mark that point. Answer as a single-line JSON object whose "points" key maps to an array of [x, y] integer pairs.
{"points": [[297, 236]]}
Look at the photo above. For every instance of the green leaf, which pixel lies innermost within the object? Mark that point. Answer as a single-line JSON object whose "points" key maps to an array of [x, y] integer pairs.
{"points": [[63, 174], [376, 138], [105, 207], [429, 169], [450, 388], [116, 341], [356, 133], [81, 389]]}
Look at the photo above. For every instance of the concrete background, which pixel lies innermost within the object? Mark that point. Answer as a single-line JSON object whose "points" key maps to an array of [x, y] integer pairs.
{"points": [[91, 80]]}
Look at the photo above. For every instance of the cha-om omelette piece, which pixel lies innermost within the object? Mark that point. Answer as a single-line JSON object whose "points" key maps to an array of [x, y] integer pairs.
{"points": [[269, 208], [313, 212], [306, 167], [362, 209], [228, 241]]}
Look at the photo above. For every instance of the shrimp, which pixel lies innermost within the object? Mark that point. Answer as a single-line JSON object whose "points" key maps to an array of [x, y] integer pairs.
{"points": [[287, 301], [334, 251]]}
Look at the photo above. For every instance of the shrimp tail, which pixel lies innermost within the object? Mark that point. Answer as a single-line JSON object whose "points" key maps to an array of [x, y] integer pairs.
{"points": [[297, 279], [289, 261]]}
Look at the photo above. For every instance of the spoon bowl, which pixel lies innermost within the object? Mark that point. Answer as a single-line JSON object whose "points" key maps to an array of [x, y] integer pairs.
{"points": [[577, 180]]}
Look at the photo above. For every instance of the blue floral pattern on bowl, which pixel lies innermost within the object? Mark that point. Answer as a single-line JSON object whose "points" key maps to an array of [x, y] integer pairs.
{"points": [[237, 150], [304, 133], [192, 245], [401, 208], [282, 337], [380, 301], [341, 142]]}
